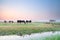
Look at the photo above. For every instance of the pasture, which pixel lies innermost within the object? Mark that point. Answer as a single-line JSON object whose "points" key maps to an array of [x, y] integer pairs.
{"points": [[22, 29]]}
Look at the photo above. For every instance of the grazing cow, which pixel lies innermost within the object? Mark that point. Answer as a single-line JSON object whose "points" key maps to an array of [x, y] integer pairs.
{"points": [[20, 21], [28, 21], [5, 21], [11, 22]]}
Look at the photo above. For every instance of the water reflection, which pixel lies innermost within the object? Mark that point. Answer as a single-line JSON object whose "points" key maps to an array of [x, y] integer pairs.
{"points": [[36, 36]]}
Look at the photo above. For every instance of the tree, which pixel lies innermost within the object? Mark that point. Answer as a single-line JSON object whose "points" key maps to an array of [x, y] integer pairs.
{"points": [[52, 22]]}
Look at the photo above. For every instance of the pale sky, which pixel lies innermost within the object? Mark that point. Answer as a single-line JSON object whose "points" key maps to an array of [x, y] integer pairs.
{"points": [[29, 9]]}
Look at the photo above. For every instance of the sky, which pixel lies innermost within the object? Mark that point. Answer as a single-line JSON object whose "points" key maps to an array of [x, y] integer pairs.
{"points": [[29, 10]]}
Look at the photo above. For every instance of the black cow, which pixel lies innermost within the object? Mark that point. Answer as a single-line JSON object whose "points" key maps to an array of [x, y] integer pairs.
{"points": [[11, 21], [28, 21], [5, 21], [20, 21]]}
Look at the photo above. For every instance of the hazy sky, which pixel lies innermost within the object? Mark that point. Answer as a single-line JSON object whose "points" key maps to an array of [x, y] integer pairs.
{"points": [[29, 9]]}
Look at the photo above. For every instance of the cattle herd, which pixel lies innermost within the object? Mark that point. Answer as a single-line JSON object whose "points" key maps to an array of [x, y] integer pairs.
{"points": [[19, 21]]}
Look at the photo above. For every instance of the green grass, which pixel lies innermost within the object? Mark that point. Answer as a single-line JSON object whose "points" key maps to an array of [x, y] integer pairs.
{"points": [[36, 27], [53, 37]]}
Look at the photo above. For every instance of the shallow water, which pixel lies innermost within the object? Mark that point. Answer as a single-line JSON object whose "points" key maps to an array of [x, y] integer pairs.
{"points": [[36, 36]]}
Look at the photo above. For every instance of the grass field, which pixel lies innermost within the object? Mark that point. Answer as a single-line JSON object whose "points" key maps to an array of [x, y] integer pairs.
{"points": [[20, 29], [53, 37]]}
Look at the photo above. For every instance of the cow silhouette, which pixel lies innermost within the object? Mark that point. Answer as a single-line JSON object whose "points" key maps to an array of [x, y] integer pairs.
{"points": [[5, 21], [11, 21], [28, 21], [21, 21]]}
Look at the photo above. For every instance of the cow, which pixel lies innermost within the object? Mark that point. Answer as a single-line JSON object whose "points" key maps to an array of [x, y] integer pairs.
{"points": [[5, 21], [21, 21], [28, 21], [11, 21]]}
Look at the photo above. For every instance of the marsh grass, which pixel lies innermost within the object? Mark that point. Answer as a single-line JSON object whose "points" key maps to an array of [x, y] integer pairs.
{"points": [[21, 29]]}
